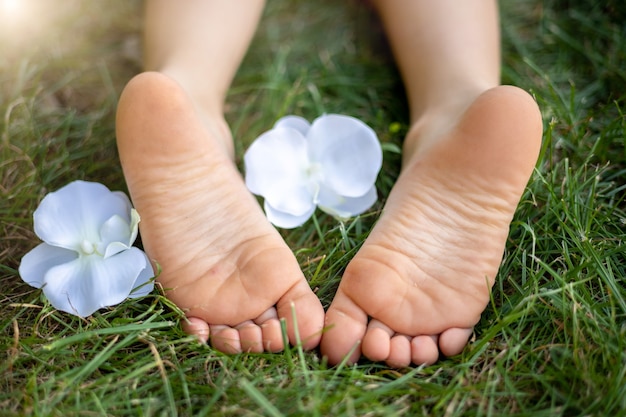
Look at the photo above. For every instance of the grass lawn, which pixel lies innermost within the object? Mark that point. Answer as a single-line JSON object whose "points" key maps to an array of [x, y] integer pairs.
{"points": [[551, 343]]}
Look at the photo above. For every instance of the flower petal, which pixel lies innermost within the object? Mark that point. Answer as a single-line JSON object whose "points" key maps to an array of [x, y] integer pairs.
{"points": [[134, 223], [345, 207], [117, 235], [301, 124], [285, 220], [36, 263], [144, 284], [348, 151], [89, 283], [276, 164], [75, 213]]}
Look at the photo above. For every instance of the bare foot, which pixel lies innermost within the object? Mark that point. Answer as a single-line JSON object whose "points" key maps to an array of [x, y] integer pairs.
{"points": [[222, 262], [423, 277]]}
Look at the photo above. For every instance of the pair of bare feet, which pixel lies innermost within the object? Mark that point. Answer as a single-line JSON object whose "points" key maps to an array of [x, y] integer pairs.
{"points": [[414, 290]]}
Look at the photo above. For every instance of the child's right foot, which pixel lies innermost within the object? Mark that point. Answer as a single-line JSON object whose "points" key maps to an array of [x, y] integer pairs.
{"points": [[221, 261], [423, 277]]}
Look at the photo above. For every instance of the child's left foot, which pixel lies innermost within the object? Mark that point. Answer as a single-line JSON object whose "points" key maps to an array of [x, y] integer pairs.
{"points": [[423, 277]]}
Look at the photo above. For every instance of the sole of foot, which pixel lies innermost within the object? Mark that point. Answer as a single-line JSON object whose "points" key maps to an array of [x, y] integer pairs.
{"points": [[221, 261], [423, 277]]}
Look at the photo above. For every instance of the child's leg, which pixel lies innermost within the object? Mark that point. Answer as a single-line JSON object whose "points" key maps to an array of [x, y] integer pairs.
{"points": [[423, 277], [221, 260], [200, 44]]}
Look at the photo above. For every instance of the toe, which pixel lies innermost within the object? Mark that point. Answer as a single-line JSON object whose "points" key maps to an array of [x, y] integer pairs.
{"points": [[453, 341], [225, 339], [376, 344], [346, 324], [424, 350], [272, 332], [272, 336], [197, 327], [302, 310], [400, 353], [250, 337]]}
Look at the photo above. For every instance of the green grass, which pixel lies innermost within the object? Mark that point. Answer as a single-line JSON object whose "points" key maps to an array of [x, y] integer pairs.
{"points": [[551, 343]]}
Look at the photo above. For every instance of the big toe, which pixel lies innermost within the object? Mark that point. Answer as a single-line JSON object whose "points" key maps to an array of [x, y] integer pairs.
{"points": [[304, 315], [346, 324]]}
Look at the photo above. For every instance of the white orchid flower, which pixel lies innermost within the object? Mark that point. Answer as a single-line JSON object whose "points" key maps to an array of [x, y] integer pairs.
{"points": [[331, 164], [87, 260]]}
